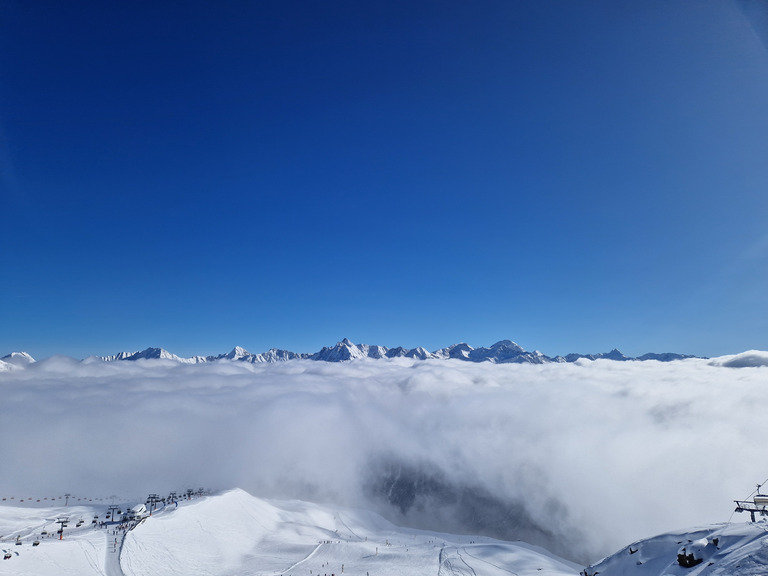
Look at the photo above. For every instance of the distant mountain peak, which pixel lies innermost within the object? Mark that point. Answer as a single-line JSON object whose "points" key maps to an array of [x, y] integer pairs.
{"points": [[15, 361], [501, 352], [237, 352], [18, 358]]}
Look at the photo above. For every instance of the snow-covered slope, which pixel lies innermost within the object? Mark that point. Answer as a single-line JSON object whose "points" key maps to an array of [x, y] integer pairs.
{"points": [[235, 533], [15, 360], [82, 552], [18, 359], [722, 550]]}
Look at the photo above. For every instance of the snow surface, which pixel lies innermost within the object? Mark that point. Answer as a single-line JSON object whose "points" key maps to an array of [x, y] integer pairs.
{"points": [[722, 550], [17, 359], [234, 534], [82, 552]]}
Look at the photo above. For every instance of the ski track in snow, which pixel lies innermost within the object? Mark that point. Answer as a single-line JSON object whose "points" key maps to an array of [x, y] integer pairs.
{"points": [[112, 561], [455, 565], [303, 560], [499, 568]]}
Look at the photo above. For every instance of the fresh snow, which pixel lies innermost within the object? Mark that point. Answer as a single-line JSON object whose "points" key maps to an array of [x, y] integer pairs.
{"points": [[15, 360], [718, 550], [82, 552], [18, 359], [234, 533]]}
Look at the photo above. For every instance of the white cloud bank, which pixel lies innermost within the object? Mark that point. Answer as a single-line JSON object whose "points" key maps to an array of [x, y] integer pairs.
{"points": [[748, 359], [584, 457]]}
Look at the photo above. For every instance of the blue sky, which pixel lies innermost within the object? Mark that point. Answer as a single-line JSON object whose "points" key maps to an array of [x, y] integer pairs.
{"points": [[573, 176]]}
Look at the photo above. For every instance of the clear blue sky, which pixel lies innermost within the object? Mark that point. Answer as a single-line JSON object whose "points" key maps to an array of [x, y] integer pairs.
{"points": [[573, 176]]}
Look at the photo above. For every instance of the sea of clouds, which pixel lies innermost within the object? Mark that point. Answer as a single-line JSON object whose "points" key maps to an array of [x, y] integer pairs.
{"points": [[583, 458]]}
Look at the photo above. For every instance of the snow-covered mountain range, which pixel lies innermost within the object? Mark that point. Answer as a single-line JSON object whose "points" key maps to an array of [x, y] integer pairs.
{"points": [[503, 352]]}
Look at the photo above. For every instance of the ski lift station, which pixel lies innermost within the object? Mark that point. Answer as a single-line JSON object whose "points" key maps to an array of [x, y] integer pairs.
{"points": [[138, 512]]}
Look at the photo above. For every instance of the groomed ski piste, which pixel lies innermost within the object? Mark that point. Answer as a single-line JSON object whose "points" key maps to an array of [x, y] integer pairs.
{"points": [[234, 533]]}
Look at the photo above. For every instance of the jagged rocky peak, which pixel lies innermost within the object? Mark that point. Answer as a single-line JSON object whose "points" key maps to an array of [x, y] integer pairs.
{"points": [[237, 353], [398, 352], [614, 354], [420, 353], [507, 345], [501, 352], [341, 352], [277, 355], [154, 354], [458, 351]]}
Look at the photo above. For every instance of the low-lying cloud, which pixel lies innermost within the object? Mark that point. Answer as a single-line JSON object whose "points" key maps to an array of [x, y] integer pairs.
{"points": [[583, 458]]}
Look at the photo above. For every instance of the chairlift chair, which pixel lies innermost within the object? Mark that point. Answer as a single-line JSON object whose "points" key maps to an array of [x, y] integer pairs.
{"points": [[761, 500]]}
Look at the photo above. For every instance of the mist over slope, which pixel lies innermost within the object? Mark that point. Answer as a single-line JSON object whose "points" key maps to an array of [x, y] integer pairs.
{"points": [[578, 457]]}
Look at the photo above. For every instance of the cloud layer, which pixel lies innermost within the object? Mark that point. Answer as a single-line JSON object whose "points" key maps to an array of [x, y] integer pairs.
{"points": [[583, 457]]}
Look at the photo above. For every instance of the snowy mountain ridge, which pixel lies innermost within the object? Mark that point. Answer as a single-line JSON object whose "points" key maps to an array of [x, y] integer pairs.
{"points": [[502, 352]]}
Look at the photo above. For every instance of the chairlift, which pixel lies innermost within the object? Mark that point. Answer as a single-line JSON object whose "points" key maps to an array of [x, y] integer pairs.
{"points": [[761, 500], [7, 556], [36, 543], [758, 504]]}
